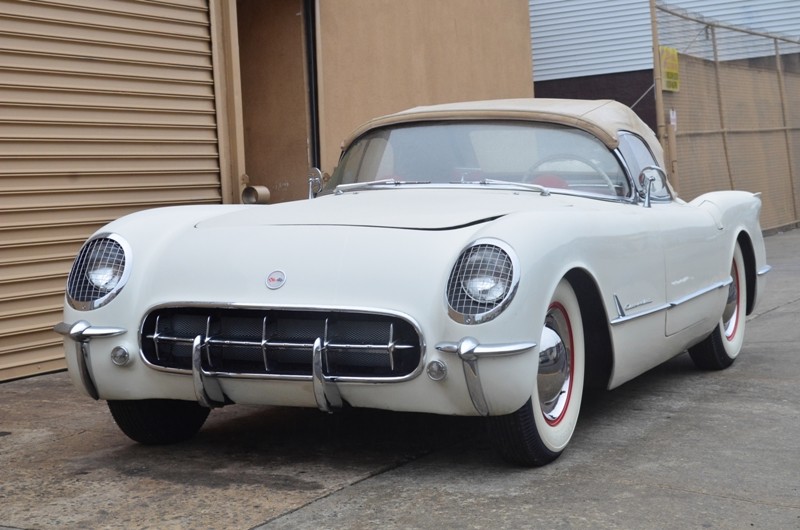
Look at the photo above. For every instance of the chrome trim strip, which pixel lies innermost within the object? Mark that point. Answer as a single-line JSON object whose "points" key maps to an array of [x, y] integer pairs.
{"points": [[515, 187], [625, 318], [469, 350], [264, 342], [286, 377], [632, 196], [622, 318], [204, 387], [81, 333], [701, 292], [618, 306], [764, 270], [391, 346]]}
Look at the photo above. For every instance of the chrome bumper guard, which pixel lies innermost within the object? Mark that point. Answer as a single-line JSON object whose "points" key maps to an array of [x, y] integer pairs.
{"points": [[206, 389], [82, 333], [469, 351], [210, 395], [326, 393]]}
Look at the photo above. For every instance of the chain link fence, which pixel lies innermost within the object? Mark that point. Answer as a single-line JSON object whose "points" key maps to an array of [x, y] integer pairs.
{"points": [[732, 113]]}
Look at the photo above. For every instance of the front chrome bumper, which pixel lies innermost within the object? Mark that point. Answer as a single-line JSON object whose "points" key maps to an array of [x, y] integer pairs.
{"points": [[209, 393], [82, 333], [469, 350], [206, 388]]}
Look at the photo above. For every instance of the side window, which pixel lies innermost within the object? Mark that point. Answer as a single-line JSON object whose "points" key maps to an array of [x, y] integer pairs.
{"points": [[638, 156]]}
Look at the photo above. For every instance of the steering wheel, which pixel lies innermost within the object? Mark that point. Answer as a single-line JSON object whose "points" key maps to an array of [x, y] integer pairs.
{"points": [[534, 169]]}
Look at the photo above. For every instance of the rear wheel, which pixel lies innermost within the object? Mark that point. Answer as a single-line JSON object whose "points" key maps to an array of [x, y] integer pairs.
{"points": [[538, 432], [720, 349], [158, 421]]}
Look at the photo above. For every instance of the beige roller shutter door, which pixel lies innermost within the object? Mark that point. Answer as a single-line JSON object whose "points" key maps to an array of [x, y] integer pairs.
{"points": [[106, 107]]}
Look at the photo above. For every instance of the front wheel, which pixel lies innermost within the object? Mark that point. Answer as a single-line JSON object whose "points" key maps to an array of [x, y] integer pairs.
{"points": [[720, 349], [158, 421], [538, 432]]}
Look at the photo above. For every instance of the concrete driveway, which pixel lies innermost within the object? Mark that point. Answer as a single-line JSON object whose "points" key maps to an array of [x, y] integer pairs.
{"points": [[675, 448]]}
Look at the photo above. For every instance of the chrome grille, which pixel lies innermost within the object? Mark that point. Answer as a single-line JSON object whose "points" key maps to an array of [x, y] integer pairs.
{"points": [[480, 260], [280, 343]]}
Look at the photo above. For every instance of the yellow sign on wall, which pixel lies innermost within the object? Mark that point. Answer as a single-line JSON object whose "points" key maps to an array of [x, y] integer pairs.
{"points": [[670, 75]]}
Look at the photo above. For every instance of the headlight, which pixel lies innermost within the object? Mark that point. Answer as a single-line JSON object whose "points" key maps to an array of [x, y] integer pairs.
{"points": [[482, 283], [484, 276], [99, 272]]}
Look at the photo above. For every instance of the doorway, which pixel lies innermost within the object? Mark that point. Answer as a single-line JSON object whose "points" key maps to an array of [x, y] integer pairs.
{"points": [[278, 84]]}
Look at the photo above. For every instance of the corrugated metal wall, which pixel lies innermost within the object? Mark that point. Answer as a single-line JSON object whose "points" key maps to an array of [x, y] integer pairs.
{"points": [[771, 16], [106, 107], [594, 37], [589, 37]]}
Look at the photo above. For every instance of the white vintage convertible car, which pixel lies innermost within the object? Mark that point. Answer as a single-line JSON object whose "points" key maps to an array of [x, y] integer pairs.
{"points": [[488, 258]]}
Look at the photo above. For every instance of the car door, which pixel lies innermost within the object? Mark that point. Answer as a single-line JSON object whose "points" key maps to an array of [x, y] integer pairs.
{"points": [[691, 242]]}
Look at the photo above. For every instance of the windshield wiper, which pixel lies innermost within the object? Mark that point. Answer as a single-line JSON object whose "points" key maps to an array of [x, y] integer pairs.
{"points": [[524, 185], [376, 183]]}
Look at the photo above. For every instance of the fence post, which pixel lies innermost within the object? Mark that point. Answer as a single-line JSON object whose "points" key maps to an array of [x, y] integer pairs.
{"points": [[661, 128], [721, 104]]}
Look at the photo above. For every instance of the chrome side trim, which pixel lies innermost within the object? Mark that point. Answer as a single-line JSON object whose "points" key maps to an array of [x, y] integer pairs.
{"points": [[81, 333], [469, 351], [764, 270], [689, 297], [622, 318]]}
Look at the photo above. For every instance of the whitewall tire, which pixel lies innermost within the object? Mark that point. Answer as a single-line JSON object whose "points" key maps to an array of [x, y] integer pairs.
{"points": [[720, 349], [540, 430]]}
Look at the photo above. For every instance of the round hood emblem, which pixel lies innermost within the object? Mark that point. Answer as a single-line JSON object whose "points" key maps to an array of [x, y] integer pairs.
{"points": [[276, 279]]}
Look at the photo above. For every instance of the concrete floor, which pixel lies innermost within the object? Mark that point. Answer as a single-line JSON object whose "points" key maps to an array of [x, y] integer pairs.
{"points": [[675, 448]]}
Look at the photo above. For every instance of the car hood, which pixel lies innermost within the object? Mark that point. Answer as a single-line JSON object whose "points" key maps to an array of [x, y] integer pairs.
{"points": [[417, 209], [392, 250]]}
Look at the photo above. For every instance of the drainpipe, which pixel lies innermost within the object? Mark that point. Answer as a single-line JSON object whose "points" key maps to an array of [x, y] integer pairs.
{"points": [[310, 19]]}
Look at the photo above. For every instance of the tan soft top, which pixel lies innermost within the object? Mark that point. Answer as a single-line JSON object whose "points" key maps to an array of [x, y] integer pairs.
{"points": [[603, 118]]}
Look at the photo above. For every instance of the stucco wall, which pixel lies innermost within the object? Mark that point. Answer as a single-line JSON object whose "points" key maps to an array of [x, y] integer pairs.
{"points": [[381, 56]]}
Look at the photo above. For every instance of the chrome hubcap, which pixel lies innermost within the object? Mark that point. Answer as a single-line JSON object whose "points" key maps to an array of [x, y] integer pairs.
{"points": [[731, 313], [555, 365]]}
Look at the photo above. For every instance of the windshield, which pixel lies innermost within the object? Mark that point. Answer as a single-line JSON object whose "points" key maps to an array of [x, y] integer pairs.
{"points": [[554, 156]]}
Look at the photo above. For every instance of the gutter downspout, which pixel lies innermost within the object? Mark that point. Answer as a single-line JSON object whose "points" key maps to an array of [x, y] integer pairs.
{"points": [[310, 27]]}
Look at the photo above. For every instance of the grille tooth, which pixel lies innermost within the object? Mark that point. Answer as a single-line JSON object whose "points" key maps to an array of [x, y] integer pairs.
{"points": [[355, 344]]}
